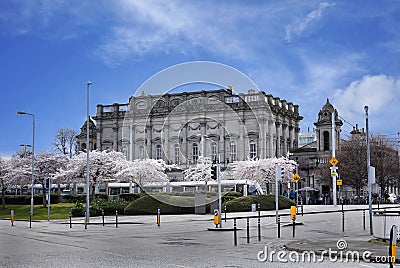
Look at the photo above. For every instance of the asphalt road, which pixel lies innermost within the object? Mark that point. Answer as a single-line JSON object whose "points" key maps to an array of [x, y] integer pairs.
{"points": [[180, 241]]}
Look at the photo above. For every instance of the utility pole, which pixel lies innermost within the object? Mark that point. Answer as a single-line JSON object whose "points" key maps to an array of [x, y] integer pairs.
{"points": [[334, 194], [369, 172]]}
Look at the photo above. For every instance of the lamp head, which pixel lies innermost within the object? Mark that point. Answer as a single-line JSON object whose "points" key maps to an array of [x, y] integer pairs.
{"points": [[89, 83], [20, 113]]}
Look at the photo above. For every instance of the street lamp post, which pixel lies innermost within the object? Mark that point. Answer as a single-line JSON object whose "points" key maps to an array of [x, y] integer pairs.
{"points": [[87, 155], [24, 145], [369, 172], [33, 153]]}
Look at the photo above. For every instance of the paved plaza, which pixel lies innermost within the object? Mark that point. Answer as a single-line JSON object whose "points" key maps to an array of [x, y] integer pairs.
{"points": [[183, 241]]}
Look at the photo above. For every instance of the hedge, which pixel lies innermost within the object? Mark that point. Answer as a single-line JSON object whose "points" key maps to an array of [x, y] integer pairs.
{"points": [[26, 199], [129, 197], [81, 198], [148, 205], [267, 202], [109, 208]]}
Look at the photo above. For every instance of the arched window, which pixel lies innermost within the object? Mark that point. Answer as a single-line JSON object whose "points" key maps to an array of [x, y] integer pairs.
{"points": [[253, 149], [195, 152], [158, 152], [326, 141]]}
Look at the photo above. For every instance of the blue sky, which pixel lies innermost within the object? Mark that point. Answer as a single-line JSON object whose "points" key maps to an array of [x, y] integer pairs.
{"points": [[301, 51]]}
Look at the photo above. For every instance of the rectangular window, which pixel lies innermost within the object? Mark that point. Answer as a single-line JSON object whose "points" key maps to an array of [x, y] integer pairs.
{"points": [[177, 155], [232, 151], [231, 99], [253, 150], [213, 151], [195, 153], [141, 152], [251, 98], [158, 152]]}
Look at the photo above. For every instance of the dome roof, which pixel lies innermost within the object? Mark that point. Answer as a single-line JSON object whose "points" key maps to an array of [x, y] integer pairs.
{"points": [[328, 106]]}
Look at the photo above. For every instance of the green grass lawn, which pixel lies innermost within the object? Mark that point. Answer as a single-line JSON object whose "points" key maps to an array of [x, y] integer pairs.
{"points": [[21, 212]]}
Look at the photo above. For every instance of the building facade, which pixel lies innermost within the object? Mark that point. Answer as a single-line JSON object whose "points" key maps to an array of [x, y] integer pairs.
{"points": [[180, 127], [315, 156]]}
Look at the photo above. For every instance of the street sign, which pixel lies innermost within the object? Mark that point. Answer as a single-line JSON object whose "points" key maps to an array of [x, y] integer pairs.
{"points": [[296, 176], [333, 161], [338, 182], [333, 174]]}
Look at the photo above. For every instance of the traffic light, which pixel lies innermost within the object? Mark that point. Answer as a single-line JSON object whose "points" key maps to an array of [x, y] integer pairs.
{"points": [[280, 172], [214, 172]]}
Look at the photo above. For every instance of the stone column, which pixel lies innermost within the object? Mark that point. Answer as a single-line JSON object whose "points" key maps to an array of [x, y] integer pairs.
{"points": [[130, 141]]}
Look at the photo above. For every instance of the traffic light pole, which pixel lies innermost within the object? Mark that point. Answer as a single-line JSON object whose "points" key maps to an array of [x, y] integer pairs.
{"points": [[334, 193], [277, 176], [219, 191]]}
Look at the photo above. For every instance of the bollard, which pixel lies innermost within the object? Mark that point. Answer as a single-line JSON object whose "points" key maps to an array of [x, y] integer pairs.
{"points": [[392, 245], [12, 217], [279, 226], [30, 220], [70, 220], [234, 233], [378, 204], [294, 227], [225, 212], [158, 217], [259, 222], [116, 219], [84, 221], [293, 212], [302, 212], [364, 219], [342, 220], [248, 231], [102, 215]]}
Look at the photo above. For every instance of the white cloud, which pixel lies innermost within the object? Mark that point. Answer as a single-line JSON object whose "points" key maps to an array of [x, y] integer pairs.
{"points": [[380, 92], [301, 25], [154, 26]]}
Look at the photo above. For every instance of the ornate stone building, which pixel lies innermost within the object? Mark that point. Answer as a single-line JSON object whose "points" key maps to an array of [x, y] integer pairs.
{"points": [[312, 156], [180, 127], [81, 138]]}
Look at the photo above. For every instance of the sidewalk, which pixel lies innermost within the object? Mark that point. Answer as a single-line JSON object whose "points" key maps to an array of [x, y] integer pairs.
{"points": [[357, 244]]}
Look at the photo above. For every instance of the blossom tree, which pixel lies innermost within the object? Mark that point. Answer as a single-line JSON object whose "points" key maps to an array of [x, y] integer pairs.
{"points": [[143, 172], [102, 166], [5, 179], [201, 171], [260, 170], [47, 164]]}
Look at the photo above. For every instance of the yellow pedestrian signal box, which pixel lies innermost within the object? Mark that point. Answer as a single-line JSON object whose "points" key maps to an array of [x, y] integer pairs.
{"points": [[293, 212], [216, 217], [339, 182]]}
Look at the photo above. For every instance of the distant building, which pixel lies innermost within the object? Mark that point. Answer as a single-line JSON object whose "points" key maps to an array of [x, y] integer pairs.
{"points": [[306, 138], [310, 156], [180, 127]]}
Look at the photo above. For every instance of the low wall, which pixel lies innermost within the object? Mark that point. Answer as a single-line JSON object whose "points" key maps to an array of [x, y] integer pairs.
{"points": [[382, 222]]}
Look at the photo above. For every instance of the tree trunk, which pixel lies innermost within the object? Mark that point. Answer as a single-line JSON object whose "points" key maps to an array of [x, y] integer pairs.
{"points": [[3, 198], [44, 195], [58, 188]]}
